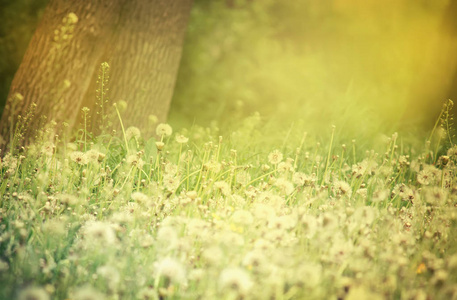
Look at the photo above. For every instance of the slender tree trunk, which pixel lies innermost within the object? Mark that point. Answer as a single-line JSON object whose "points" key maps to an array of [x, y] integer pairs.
{"points": [[140, 39]]}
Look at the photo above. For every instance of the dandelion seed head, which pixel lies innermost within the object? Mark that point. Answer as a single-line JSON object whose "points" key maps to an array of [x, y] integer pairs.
{"points": [[285, 186], [223, 187], [93, 156], [275, 157], [164, 130], [170, 182], [171, 269], [139, 197], [132, 132], [236, 280], [100, 232], [342, 188], [78, 157], [181, 139]]}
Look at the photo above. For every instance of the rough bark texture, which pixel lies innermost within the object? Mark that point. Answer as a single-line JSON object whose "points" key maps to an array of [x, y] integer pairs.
{"points": [[140, 39]]}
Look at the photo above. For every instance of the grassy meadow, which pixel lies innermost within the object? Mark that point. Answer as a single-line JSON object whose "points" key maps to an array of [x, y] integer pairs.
{"points": [[249, 192], [192, 214]]}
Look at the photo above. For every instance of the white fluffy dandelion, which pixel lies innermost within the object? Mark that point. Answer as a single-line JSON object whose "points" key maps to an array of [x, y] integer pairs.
{"points": [[275, 157], [132, 132], [171, 269], [236, 280], [164, 130]]}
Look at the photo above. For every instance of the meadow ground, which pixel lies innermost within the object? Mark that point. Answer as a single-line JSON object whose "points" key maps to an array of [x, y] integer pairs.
{"points": [[199, 215]]}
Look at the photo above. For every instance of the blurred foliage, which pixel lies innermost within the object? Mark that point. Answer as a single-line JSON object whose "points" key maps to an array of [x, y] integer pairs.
{"points": [[352, 63], [19, 20]]}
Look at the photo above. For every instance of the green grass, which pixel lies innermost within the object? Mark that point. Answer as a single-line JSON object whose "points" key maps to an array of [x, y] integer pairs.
{"points": [[253, 214]]}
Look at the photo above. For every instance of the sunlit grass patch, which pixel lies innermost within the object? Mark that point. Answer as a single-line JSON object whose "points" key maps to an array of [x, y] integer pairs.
{"points": [[192, 214]]}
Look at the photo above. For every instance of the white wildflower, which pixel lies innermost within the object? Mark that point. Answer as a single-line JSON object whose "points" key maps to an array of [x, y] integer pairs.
{"points": [[78, 157], [275, 157], [132, 132], [236, 280], [342, 188], [223, 187], [139, 197], [181, 139], [94, 156], [170, 182], [170, 269], [284, 185], [99, 232], [164, 130], [243, 177]]}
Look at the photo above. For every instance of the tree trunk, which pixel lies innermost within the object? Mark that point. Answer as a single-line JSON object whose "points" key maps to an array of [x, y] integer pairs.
{"points": [[140, 39]]}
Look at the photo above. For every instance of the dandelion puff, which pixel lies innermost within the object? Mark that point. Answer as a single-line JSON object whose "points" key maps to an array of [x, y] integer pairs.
{"points": [[164, 130], [139, 197], [275, 157], [48, 149], [285, 166], [426, 176], [236, 280], [282, 222], [100, 232], [93, 155], [171, 169], [170, 182], [78, 157], [171, 269], [132, 132], [181, 139], [254, 260], [160, 145], [284, 185], [33, 293], [452, 152], [134, 160], [342, 188], [223, 187], [243, 178], [299, 178]]}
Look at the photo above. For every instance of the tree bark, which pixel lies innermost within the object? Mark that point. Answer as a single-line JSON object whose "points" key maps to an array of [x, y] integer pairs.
{"points": [[140, 39]]}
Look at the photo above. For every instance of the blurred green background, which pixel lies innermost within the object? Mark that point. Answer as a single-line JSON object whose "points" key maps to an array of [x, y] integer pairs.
{"points": [[363, 65]]}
